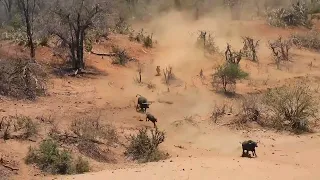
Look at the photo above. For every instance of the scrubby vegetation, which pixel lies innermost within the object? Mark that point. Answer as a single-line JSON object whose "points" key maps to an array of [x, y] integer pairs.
{"points": [[280, 50], [22, 79], [49, 158], [309, 40], [18, 127], [207, 43], [144, 148], [76, 31], [227, 75], [250, 48], [143, 38], [295, 15], [291, 107], [121, 57], [90, 137], [250, 110]]}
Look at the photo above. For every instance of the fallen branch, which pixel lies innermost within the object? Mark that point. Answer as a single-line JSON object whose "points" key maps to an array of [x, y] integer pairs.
{"points": [[104, 54]]}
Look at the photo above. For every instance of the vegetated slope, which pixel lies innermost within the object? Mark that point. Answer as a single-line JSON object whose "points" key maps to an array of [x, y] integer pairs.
{"points": [[199, 148]]}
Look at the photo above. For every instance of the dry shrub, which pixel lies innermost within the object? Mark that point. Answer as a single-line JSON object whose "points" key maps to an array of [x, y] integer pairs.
{"points": [[291, 107], [90, 137], [250, 110], [49, 158], [144, 148], [93, 151], [151, 85], [207, 43], [309, 40], [18, 36], [122, 27], [22, 79], [143, 38], [232, 56], [295, 15], [218, 111], [81, 165], [18, 127], [92, 130], [280, 50], [250, 48], [121, 56]]}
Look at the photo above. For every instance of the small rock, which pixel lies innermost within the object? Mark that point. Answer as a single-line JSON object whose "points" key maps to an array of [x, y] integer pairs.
{"points": [[171, 161], [183, 169]]}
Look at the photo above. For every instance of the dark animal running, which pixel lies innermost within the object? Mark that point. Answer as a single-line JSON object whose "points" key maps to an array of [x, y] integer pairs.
{"points": [[249, 146], [142, 103], [150, 117]]}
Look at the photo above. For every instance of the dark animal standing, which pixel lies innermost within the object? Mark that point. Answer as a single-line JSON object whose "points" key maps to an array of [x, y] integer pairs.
{"points": [[142, 103], [150, 117], [249, 146]]}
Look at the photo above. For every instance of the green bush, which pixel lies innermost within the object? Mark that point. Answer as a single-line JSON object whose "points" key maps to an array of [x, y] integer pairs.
{"points": [[227, 74], [141, 37], [81, 166], [50, 158], [144, 148], [121, 57], [147, 42]]}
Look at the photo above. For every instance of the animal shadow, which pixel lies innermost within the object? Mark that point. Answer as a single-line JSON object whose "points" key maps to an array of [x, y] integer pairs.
{"points": [[247, 154]]}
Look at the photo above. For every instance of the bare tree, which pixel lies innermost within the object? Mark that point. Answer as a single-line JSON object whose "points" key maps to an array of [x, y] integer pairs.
{"points": [[280, 50], [73, 20], [28, 10], [250, 48], [233, 56]]}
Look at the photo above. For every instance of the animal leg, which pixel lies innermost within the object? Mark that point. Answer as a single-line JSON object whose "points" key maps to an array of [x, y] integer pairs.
{"points": [[154, 125]]}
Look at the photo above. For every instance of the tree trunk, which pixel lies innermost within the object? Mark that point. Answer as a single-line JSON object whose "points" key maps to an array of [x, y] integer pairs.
{"points": [[81, 59], [26, 13], [73, 55]]}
